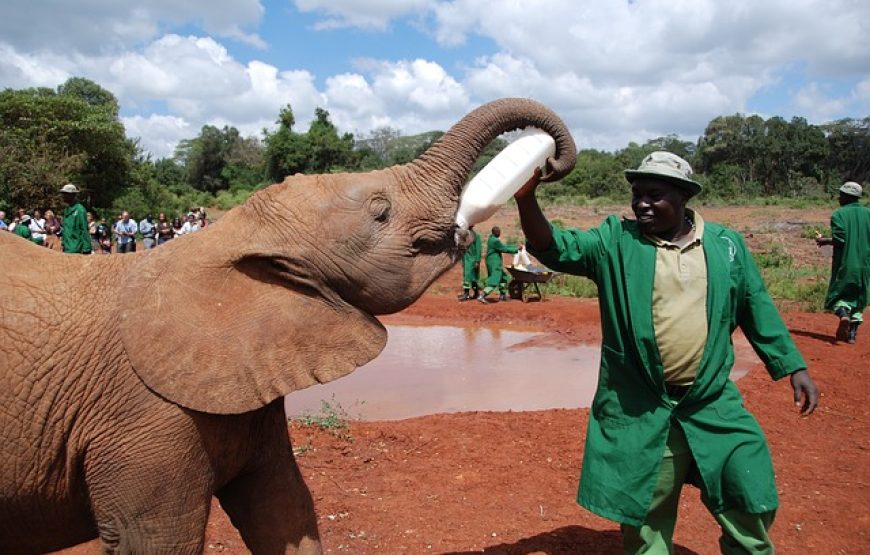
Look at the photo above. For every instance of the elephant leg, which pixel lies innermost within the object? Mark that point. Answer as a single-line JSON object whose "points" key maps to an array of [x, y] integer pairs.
{"points": [[154, 507], [271, 506], [168, 524]]}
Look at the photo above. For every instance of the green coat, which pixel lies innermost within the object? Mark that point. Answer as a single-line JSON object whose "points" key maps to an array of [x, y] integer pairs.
{"points": [[850, 267], [76, 238], [471, 263], [631, 412], [23, 231], [494, 269]]}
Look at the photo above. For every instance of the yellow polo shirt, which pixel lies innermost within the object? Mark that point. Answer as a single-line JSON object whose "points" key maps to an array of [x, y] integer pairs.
{"points": [[680, 303]]}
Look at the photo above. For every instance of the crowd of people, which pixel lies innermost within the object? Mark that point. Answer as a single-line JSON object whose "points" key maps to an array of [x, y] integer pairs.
{"points": [[78, 231]]}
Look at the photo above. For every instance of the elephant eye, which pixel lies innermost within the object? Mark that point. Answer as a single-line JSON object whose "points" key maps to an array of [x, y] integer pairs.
{"points": [[379, 208]]}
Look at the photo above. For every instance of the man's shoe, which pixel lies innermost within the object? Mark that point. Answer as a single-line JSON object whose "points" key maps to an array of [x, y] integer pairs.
{"points": [[503, 298], [463, 297], [853, 333], [482, 298], [841, 313], [843, 328]]}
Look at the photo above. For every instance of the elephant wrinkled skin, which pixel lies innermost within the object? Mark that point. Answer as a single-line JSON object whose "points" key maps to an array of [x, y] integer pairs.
{"points": [[136, 387]]}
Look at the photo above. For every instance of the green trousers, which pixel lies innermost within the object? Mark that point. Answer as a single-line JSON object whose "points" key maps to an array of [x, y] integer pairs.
{"points": [[742, 533]]}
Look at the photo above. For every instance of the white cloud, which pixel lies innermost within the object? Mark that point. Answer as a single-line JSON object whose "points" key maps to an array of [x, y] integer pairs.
{"points": [[22, 70], [366, 14], [100, 26], [815, 103], [158, 134], [615, 71]]}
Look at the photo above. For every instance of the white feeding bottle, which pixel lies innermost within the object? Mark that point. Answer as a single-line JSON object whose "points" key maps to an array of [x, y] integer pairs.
{"points": [[503, 176]]}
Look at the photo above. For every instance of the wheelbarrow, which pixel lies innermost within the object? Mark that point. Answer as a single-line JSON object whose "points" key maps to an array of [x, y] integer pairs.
{"points": [[527, 279]]}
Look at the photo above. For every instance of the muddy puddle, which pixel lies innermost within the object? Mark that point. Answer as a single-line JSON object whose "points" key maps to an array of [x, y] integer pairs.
{"points": [[436, 369]]}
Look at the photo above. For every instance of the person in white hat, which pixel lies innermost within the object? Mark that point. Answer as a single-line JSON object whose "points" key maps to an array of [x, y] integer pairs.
{"points": [[672, 288], [76, 238], [850, 266]]}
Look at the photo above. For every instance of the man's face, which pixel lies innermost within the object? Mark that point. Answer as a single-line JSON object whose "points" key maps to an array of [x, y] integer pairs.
{"points": [[126, 217], [657, 205], [847, 199]]}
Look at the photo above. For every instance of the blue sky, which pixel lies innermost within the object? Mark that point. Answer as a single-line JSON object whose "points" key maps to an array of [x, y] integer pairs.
{"points": [[616, 71]]}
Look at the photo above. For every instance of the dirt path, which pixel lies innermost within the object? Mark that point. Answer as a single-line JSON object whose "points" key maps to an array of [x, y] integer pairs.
{"points": [[504, 483]]}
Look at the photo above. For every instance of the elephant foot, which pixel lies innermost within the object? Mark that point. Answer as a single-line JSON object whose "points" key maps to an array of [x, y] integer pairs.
{"points": [[308, 546]]}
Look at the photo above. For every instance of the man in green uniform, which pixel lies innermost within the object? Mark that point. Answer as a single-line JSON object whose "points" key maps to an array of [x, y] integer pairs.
{"points": [[76, 237], [672, 288], [850, 267], [22, 228], [496, 277], [471, 268]]}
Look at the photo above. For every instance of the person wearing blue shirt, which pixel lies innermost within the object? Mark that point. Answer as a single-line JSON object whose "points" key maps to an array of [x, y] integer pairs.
{"points": [[126, 229]]}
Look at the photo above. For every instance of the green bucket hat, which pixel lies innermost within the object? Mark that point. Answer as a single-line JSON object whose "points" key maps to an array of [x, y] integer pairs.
{"points": [[666, 166]]}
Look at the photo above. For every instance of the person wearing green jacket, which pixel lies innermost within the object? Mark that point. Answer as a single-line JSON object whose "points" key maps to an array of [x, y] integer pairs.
{"points": [[850, 267], [471, 268], [672, 288], [496, 277], [22, 228], [76, 238]]}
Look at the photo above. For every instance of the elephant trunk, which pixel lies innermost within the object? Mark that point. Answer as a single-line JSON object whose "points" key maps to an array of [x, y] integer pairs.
{"points": [[454, 154]]}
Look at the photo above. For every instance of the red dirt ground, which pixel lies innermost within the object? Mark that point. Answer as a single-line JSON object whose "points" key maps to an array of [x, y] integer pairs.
{"points": [[505, 483]]}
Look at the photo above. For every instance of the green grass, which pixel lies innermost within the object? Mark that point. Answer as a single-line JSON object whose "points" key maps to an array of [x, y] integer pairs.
{"points": [[567, 285], [809, 231], [806, 285], [332, 418]]}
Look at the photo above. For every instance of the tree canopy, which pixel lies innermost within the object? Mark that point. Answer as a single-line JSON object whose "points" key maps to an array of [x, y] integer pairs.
{"points": [[49, 137], [73, 133]]}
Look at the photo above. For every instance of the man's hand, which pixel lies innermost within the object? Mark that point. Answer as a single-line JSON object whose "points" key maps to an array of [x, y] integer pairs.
{"points": [[528, 188], [806, 394]]}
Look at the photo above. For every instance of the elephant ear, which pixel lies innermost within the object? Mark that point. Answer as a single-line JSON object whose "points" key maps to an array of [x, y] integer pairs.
{"points": [[217, 339]]}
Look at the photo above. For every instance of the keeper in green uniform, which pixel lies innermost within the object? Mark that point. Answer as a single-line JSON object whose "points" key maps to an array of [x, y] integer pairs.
{"points": [[76, 237], [22, 228], [471, 268], [672, 289], [850, 267], [496, 278]]}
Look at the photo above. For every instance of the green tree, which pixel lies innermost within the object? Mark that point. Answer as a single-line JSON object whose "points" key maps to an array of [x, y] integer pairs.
{"points": [[596, 174], [89, 92], [49, 137], [327, 150], [217, 157], [848, 151], [245, 164], [286, 150]]}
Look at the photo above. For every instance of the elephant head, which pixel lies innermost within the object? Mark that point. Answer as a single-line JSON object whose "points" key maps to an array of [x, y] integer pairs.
{"points": [[281, 292]]}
